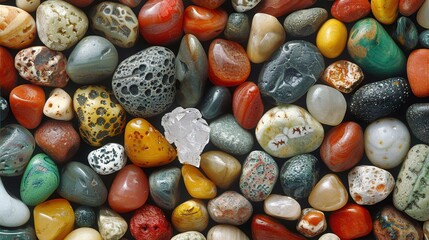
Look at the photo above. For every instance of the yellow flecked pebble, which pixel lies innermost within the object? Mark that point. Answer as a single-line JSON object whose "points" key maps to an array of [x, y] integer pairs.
{"points": [[84, 233], [332, 38], [197, 184], [385, 11], [191, 215]]}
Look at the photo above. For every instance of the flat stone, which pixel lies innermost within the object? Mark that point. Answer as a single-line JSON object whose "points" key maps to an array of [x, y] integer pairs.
{"points": [[230, 208], [417, 115], [59, 105], [326, 104], [221, 231], [305, 22], [13, 212], [216, 102], [164, 187], [108, 159], [329, 194], [283, 207], [391, 222], [311, 223], [110, 224], [84, 216]]}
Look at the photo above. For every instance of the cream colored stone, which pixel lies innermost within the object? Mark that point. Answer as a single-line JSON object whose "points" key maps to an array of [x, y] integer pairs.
{"points": [[59, 105], [423, 15], [223, 232], [189, 235], [329, 194], [283, 207], [84, 233], [28, 5], [110, 224], [221, 168], [311, 223], [329, 236]]}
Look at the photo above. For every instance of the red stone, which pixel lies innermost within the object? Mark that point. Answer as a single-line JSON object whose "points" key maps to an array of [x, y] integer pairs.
{"points": [[149, 222], [204, 23], [131, 3], [210, 4], [228, 63], [264, 227], [350, 10], [8, 74], [129, 190], [279, 8], [161, 21], [343, 147], [409, 7], [80, 3], [351, 221], [26, 102], [247, 105], [417, 72]]}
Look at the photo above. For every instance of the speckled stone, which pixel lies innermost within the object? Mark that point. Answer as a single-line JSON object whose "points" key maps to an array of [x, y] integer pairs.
{"points": [[244, 5], [424, 38], [22, 233], [258, 176], [343, 75], [144, 83], [417, 119], [311, 223], [237, 27], [298, 175], [379, 99], [164, 187], [59, 105], [284, 78], [84, 216], [230, 208], [216, 102], [108, 159], [405, 33], [189, 235], [227, 135], [305, 22], [110, 224], [4, 109]]}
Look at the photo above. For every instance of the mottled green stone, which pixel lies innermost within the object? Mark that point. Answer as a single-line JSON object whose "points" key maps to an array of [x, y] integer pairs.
{"points": [[41, 178], [84, 216], [23, 233], [424, 38], [406, 33], [164, 187], [374, 50]]}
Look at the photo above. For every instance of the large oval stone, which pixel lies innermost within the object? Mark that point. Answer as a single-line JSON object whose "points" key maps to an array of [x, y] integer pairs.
{"points": [[204, 23], [305, 22], [417, 71], [13, 212], [329, 194], [391, 222], [164, 187], [384, 11], [230, 208], [332, 38], [283, 207], [417, 116], [340, 222], [19, 28], [191, 215]]}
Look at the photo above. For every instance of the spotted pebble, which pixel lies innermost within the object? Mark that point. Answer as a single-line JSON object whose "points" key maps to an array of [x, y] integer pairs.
{"points": [[108, 159]]}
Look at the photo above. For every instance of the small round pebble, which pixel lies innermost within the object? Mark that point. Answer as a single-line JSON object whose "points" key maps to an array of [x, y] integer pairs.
{"points": [[84, 216], [424, 38], [59, 105], [329, 236]]}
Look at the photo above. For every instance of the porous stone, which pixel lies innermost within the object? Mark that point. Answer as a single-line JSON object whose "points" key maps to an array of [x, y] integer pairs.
{"points": [[417, 116], [230, 208], [283, 207], [108, 159], [305, 22], [59, 105], [343, 75]]}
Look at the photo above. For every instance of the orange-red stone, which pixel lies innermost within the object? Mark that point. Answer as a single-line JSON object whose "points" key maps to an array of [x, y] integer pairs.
{"points": [[409, 7], [418, 73], [210, 4], [8, 74], [279, 8], [247, 105], [264, 227], [204, 23], [350, 10], [26, 102], [350, 222]]}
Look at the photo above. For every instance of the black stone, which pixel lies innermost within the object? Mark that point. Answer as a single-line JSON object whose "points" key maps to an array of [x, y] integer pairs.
{"points": [[418, 121], [216, 102]]}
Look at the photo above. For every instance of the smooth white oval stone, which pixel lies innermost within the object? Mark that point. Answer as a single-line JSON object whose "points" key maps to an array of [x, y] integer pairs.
{"points": [[329, 236], [326, 104], [387, 142], [283, 207], [423, 15], [13, 212], [59, 105], [223, 232]]}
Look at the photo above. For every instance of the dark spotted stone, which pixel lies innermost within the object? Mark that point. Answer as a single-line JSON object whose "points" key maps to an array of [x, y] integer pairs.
{"points": [[418, 120], [108, 159]]}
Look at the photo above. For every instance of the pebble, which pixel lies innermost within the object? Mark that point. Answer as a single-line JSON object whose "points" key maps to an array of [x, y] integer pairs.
{"points": [[329, 236], [417, 115], [326, 104], [191, 71], [410, 190], [80, 184], [416, 71], [343, 75], [84, 233], [26, 102], [331, 38], [13, 212], [227, 135], [288, 130], [19, 29], [84, 216], [58, 139], [42, 66], [386, 12], [329, 194], [189, 235], [59, 105], [266, 36], [191, 215], [198, 185], [230, 208], [17, 145], [303, 23], [144, 83], [60, 25], [280, 8], [40, 179], [283, 207], [221, 232], [387, 142], [23, 233], [423, 16], [216, 102], [244, 5], [107, 159], [259, 175], [237, 27], [4, 109], [221, 168], [110, 224], [264, 227], [348, 11], [164, 187], [28, 5], [80, 3], [210, 4], [247, 105], [8, 74], [311, 223], [424, 38], [378, 99], [340, 222], [343, 147], [116, 22], [405, 33], [390, 223], [284, 78], [161, 21], [298, 175], [409, 7], [205, 24]]}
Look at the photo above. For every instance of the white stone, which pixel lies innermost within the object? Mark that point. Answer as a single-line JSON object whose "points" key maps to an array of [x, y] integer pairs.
{"points": [[110, 224], [387, 142], [369, 185], [28, 5], [59, 105], [188, 131], [223, 232], [84, 233], [13, 212], [189, 235], [108, 159], [423, 15], [329, 236], [326, 104], [283, 207], [244, 5]]}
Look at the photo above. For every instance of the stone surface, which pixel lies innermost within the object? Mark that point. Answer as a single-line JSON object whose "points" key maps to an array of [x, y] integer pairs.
{"points": [[426, 229], [59, 105], [191, 215], [211, 4], [189, 235], [28, 5], [230, 208], [60, 25], [326, 104], [144, 83], [131, 3], [80, 184], [409, 7], [164, 187], [26, 102], [107, 159], [405, 33], [279, 8], [80, 3], [423, 16], [379, 99], [110, 224], [417, 74], [350, 10], [17, 145], [8, 73], [247, 105], [329, 236], [417, 115], [264, 227], [386, 12], [13, 212], [22, 233], [198, 185], [19, 29], [332, 38], [221, 168], [284, 78], [340, 222], [220, 232], [58, 139], [216, 102], [237, 27], [343, 75], [288, 130], [4, 109], [329, 194], [84, 233], [424, 38], [311, 223], [84, 216], [42, 66], [303, 23], [244, 5], [204, 23], [116, 22], [266, 36], [282, 207], [227, 135]]}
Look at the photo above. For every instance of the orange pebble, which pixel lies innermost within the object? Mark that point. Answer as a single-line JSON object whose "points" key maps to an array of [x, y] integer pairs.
{"points": [[418, 72], [26, 102]]}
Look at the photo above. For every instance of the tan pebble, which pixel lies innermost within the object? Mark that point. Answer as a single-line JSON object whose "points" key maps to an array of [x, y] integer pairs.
{"points": [[329, 194], [17, 28], [59, 105], [28, 5], [84, 233]]}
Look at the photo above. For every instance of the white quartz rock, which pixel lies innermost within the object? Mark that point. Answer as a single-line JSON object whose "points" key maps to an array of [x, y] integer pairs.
{"points": [[223, 232], [59, 105], [13, 212], [108, 159], [283, 207]]}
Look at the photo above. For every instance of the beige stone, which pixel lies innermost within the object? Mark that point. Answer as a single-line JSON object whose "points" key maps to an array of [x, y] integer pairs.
{"points": [[222, 232], [28, 5], [283, 207], [84, 233], [59, 105], [221, 168], [329, 194]]}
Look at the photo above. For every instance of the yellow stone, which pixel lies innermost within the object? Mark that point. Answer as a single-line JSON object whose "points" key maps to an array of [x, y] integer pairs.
{"points": [[84, 233], [221, 168], [145, 146], [332, 38], [191, 215], [197, 184], [385, 11], [329, 194], [53, 219]]}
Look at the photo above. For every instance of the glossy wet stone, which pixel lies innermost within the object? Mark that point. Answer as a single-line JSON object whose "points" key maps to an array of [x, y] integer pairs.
{"points": [[305, 22], [108, 159], [197, 185], [59, 105], [17, 145], [131, 3], [350, 10], [385, 12], [340, 220], [331, 38], [279, 8], [13, 212], [284, 79], [26, 102], [211, 4], [204, 23], [416, 72], [19, 29], [326, 104], [409, 7], [110, 224], [329, 236], [84, 216], [230, 208], [265, 227], [406, 33], [417, 115], [311, 223], [191, 215], [80, 184], [247, 105], [329, 194], [216, 102], [283, 207], [144, 83], [53, 219], [23, 233], [4, 109], [298, 175], [116, 22], [86, 233], [8, 73], [237, 27], [221, 168], [194, 235], [424, 38], [379, 99], [343, 75], [164, 187], [222, 231]]}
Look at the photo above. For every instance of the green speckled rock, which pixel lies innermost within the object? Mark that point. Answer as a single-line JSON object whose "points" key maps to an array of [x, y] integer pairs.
{"points": [[406, 33], [23, 233], [41, 178], [374, 50], [411, 191], [424, 38], [84, 216]]}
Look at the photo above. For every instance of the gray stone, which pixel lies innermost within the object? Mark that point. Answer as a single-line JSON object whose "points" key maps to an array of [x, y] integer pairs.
{"points": [[216, 102], [418, 121], [305, 22], [164, 187], [424, 38], [4, 109], [237, 27]]}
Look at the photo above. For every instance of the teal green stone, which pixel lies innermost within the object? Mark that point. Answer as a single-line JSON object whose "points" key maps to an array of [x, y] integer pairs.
{"points": [[41, 178], [374, 50], [406, 33], [216, 102], [424, 38], [84, 216], [164, 187], [23, 233]]}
